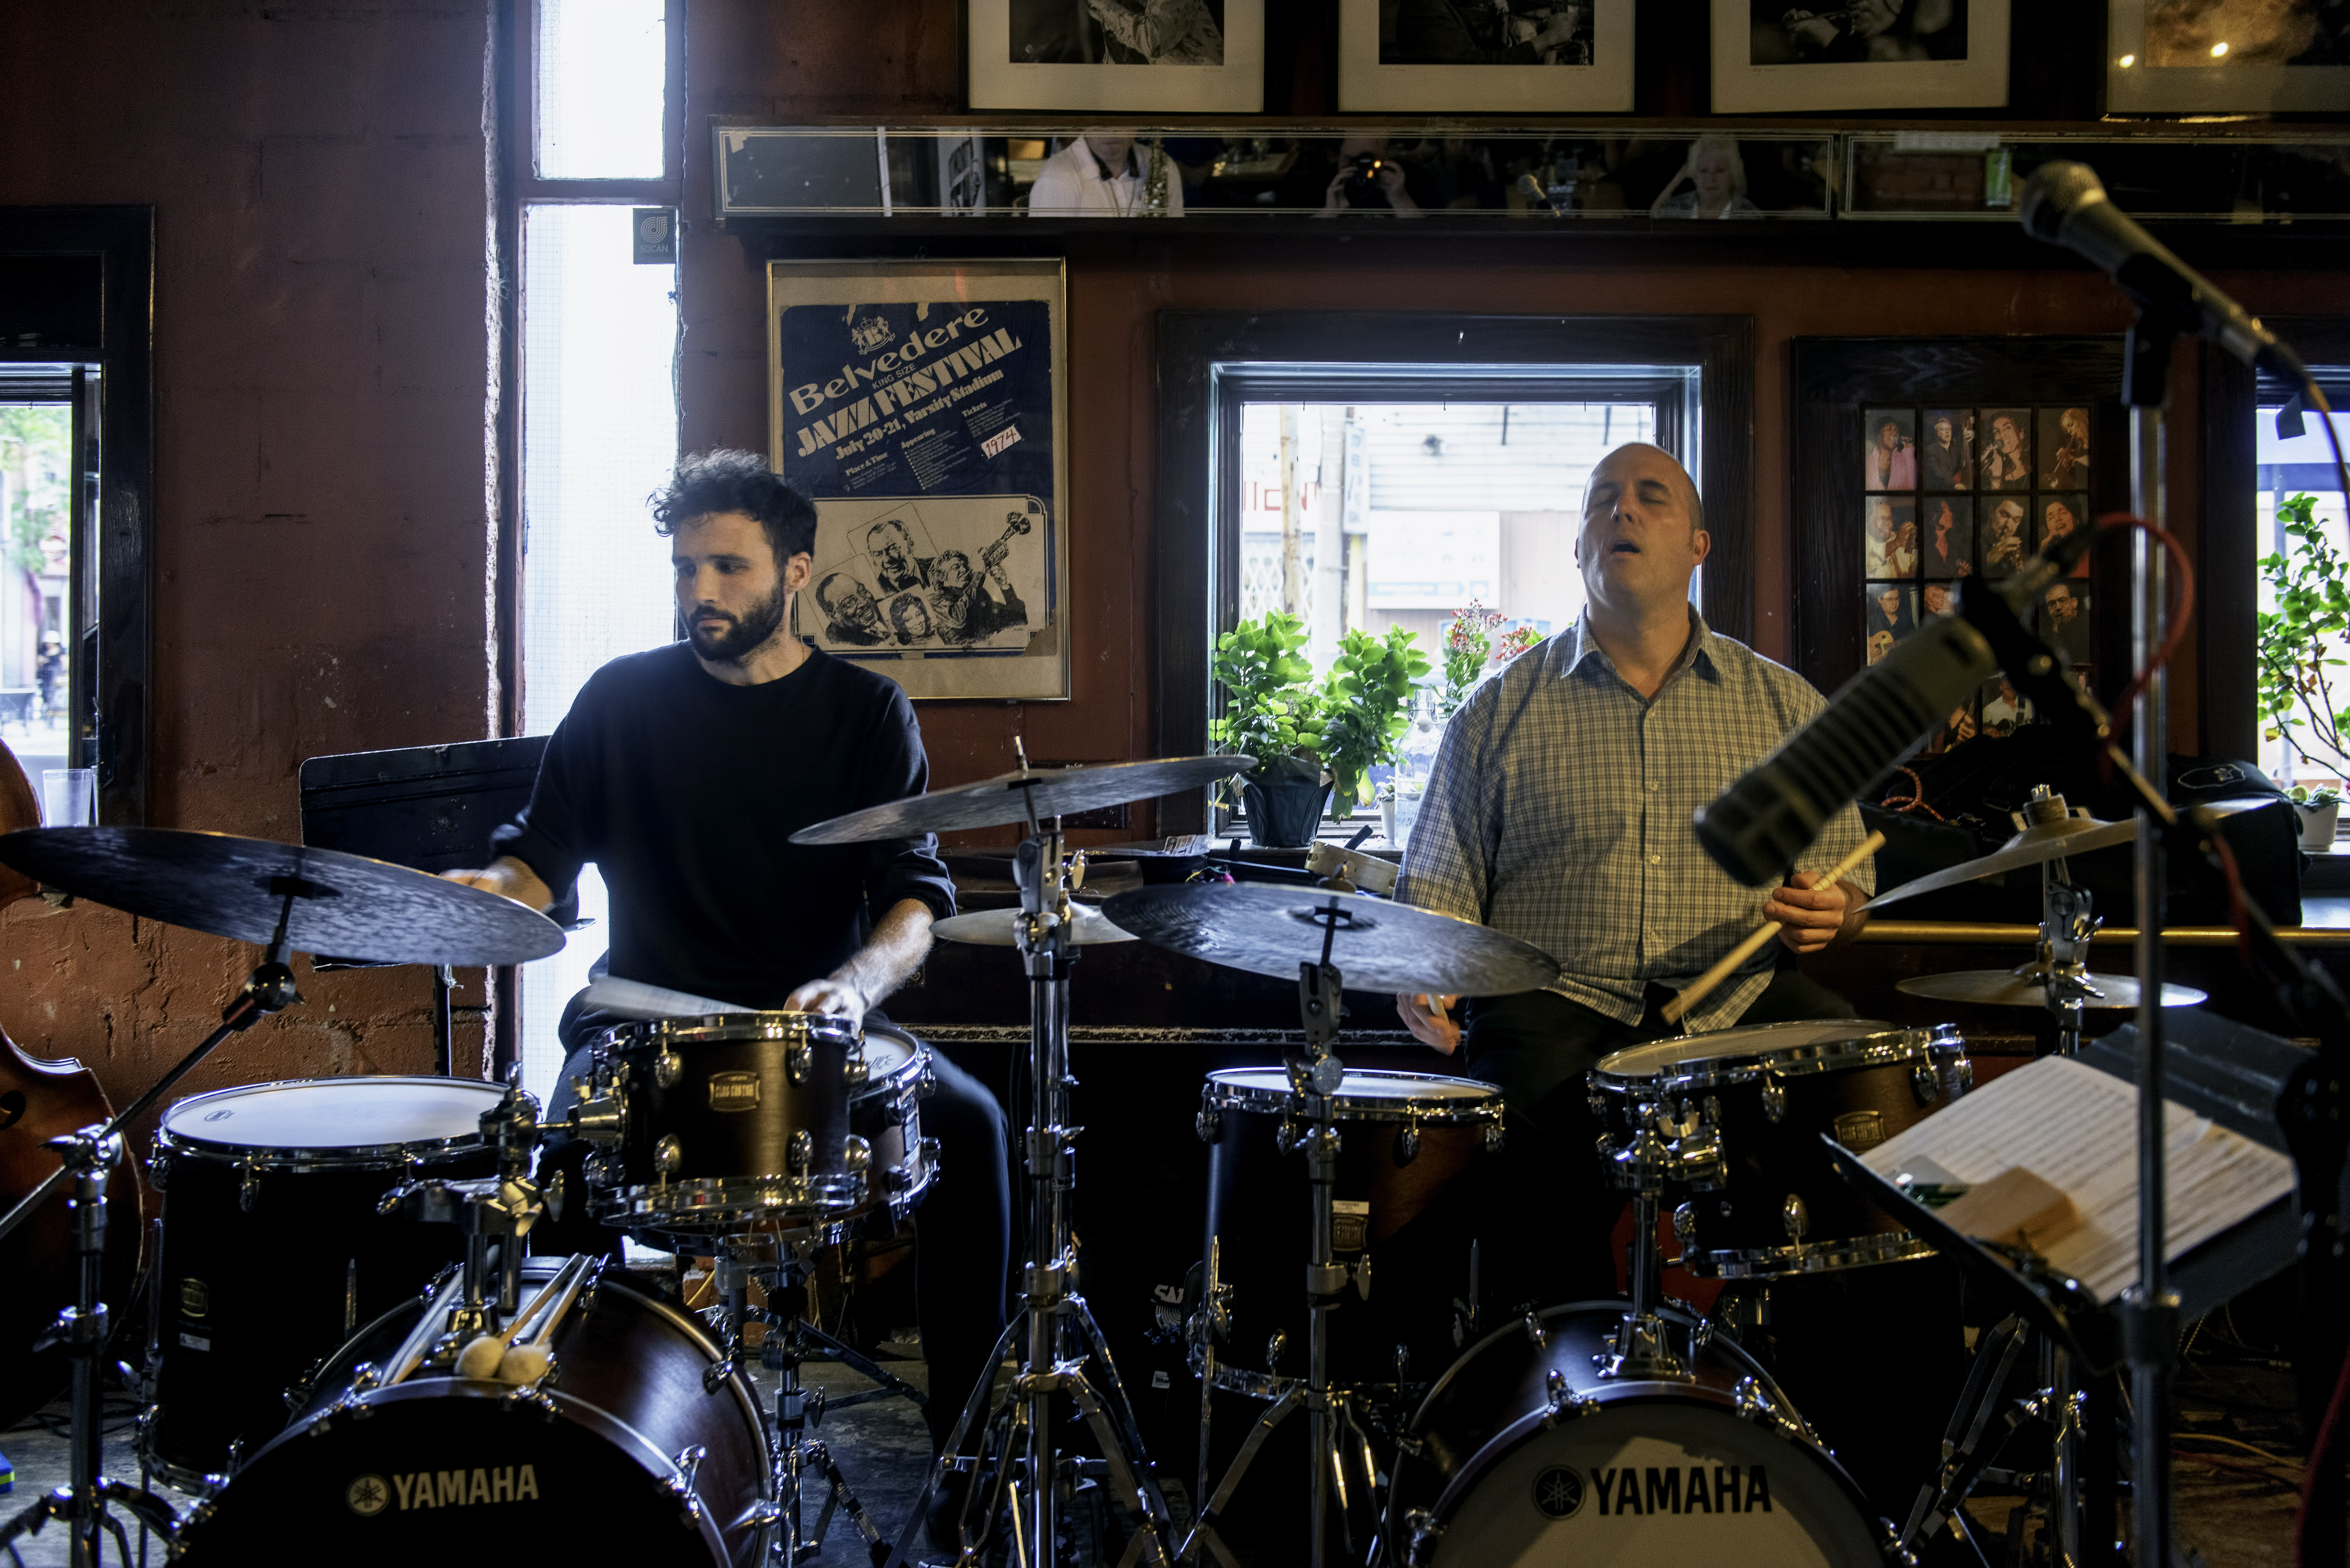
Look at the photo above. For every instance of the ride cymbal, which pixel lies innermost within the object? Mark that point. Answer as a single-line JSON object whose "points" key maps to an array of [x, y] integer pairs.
{"points": [[1013, 797], [993, 928], [2004, 988]]}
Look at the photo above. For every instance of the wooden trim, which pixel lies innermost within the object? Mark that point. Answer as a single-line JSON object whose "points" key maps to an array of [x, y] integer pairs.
{"points": [[1196, 416], [2227, 597]]}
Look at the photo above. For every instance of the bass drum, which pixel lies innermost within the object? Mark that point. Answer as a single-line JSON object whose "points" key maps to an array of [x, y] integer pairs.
{"points": [[1523, 1455], [644, 1447]]}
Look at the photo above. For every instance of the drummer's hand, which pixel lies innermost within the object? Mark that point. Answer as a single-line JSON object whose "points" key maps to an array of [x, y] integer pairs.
{"points": [[1425, 1017], [508, 878], [842, 999], [1809, 916]]}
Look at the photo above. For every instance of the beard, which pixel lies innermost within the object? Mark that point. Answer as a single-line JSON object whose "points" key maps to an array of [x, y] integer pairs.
{"points": [[742, 636]]}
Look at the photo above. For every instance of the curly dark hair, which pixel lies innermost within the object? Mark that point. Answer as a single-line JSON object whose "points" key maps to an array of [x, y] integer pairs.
{"points": [[727, 480]]}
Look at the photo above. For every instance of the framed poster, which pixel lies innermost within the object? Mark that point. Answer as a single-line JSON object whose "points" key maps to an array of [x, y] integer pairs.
{"points": [[2187, 57], [921, 406], [1872, 54], [1442, 57], [1118, 56]]}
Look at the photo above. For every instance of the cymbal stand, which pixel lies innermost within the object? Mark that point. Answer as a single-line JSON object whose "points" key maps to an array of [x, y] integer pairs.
{"points": [[1662, 1147], [84, 1157], [1019, 1448], [492, 1210]]}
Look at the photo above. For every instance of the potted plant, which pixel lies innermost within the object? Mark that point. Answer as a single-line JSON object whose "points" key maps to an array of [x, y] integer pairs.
{"points": [[1467, 643], [1365, 706], [1273, 713], [2299, 642], [2321, 811]]}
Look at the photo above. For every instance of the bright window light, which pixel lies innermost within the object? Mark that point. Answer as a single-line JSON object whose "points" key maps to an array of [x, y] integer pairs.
{"points": [[601, 65], [598, 436]]}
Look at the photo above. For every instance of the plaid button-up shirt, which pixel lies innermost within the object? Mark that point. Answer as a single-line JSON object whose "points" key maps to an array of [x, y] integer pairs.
{"points": [[1559, 807]]}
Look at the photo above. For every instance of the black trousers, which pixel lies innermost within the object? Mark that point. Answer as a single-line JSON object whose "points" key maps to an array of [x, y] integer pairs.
{"points": [[1874, 1359], [963, 1229]]}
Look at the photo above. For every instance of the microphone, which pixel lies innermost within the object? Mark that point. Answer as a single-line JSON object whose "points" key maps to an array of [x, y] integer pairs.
{"points": [[1756, 827], [2065, 204]]}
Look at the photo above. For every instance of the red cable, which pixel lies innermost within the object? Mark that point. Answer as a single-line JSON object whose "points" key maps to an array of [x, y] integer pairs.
{"points": [[2181, 614]]}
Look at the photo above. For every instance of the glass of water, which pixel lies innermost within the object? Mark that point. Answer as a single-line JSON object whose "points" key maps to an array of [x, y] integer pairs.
{"points": [[69, 797]]}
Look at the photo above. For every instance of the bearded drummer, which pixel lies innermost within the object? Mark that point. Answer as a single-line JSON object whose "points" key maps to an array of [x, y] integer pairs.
{"points": [[682, 771], [1558, 811]]}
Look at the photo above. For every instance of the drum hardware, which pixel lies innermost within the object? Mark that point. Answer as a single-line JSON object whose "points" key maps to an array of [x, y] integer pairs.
{"points": [[494, 1211]]}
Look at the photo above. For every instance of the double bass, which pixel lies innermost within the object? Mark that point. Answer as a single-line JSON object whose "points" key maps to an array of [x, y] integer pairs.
{"points": [[39, 1100]]}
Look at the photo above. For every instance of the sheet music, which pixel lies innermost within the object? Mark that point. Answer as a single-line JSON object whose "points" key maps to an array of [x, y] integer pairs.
{"points": [[2076, 1127]]}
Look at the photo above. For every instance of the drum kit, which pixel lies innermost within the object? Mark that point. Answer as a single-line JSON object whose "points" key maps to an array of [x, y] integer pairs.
{"points": [[426, 1362]]}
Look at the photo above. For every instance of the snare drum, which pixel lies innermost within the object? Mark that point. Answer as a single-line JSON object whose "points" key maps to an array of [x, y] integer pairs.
{"points": [[646, 1445], [886, 1113], [273, 1250], [725, 1121], [1523, 1455], [1409, 1142], [1763, 1200]]}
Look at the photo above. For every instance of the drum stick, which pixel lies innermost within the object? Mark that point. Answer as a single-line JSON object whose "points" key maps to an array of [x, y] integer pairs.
{"points": [[1679, 1005]]}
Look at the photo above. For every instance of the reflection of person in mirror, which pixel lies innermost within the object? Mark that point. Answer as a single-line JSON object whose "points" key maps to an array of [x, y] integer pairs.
{"points": [[850, 614], [1892, 465], [895, 566], [2068, 465], [1453, 33], [2002, 713], [2006, 551], [1105, 174], [1874, 30], [2003, 467], [1716, 177], [2067, 627], [910, 619], [971, 608], [1946, 460]]}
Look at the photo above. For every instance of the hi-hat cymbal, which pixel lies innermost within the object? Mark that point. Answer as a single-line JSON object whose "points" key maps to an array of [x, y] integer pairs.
{"points": [[993, 928], [2043, 841], [346, 905], [1378, 945], [1013, 797], [2004, 988]]}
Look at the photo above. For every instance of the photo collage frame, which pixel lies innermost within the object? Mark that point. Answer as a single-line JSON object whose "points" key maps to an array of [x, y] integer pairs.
{"points": [[1949, 494]]}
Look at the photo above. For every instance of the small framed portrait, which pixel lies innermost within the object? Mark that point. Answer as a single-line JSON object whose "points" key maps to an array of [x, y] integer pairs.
{"points": [[1120, 57], [2064, 621], [1891, 460], [2000, 712], [1534, 57], [2004, 535], [2226, 57], [1945, 536], [1770, 57], [2064, 449], [1945, 449], [2005, 462], [1936, 598], [1888, 543], [1957, 728], [1889, 612], [2060, 516]]}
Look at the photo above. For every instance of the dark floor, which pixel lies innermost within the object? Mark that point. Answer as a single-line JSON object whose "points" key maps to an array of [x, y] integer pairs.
{"points": [[2238, 1469]]}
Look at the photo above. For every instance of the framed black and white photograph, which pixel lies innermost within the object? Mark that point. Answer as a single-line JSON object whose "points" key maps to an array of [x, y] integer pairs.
{"points": [[2223, 56], [922, 407], [1770, 57], [1118, 56], [1486, 56]]}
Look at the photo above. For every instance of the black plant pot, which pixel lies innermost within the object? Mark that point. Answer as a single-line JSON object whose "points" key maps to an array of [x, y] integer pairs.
{"points": [[1284, 813]]}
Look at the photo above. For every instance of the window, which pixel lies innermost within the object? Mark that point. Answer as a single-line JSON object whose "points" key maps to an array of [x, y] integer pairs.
{"points": [[2287, 467], [37, 623], [597, 427]]}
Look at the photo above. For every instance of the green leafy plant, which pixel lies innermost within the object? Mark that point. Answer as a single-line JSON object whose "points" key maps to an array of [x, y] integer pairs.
{"points": [[1467, 643], [2303, 638], [1365, 705], [2322, 794], [1274, 708]]}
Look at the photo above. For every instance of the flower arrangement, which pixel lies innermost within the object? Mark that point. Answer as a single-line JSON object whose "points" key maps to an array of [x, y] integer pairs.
{"points": [[1467, 643], [1518, 639]]}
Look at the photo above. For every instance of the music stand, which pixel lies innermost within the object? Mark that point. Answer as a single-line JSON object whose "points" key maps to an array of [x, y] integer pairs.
{"points": [[429, 807]]}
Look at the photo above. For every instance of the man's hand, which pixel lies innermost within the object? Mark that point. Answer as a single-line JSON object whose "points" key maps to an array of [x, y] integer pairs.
{"points": [[1425, 1017], [842, 999], [1809, 916], [508, 878]]}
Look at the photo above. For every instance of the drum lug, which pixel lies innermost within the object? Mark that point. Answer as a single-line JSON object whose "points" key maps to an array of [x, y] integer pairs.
{"points": [[159, 1169], [364, 1376], [668, 1155], [668, 1067], [1208, 1124], [1565, 1399], [1774, 1100], [1795, 1216], [689, 1462], [1494, 1136], [1287, 1137], [248, 1187], [856, 1073], [856, 1155], [530, 1396], [1407, 1144], [798, 1154], [1755, 1400], [1273, 1349], [1535, 1332], [1421, 1533], [1925, 1083], [799, 1059]]}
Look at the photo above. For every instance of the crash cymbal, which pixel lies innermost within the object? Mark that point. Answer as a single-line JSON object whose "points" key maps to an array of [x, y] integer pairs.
{"points": [[346, 905], [2004, 988], [1012, 798], [2043, 841], [993, 928], [1271, 929]]}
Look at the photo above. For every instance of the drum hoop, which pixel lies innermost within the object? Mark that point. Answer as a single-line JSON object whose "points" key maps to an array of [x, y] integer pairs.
{"points": [[903, 1079], [297, 1159], [720, 1028], [1810, 1258], [729, 1199], [1484, 1106], [1885, 1048]]}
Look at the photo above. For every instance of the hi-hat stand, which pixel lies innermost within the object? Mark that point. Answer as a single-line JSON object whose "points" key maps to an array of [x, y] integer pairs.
{"points": [[84, 1157], [1019, 1468]]}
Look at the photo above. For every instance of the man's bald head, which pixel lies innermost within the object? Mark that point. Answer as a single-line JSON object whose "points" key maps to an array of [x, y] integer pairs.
{"points": [[1683, 484]]}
